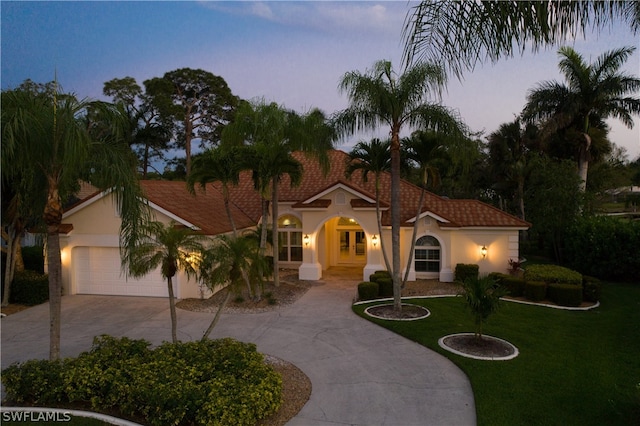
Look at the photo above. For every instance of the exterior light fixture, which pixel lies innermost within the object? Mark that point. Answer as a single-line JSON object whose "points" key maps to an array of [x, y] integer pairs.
{"points": [[306, 240], [374, 240], [483, 251]]}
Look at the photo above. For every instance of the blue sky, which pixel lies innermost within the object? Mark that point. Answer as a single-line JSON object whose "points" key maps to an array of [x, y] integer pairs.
{"points": [[293, 53]]}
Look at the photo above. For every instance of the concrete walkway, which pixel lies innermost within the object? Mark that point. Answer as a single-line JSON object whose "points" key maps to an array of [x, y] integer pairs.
{"points": [[361, 374]]}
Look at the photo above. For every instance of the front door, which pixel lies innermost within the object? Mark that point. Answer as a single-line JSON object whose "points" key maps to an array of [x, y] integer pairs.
{"points": [[353, 247]]}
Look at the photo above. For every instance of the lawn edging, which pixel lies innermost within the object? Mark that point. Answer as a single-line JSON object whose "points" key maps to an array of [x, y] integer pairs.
{"points": [[64, 412]]}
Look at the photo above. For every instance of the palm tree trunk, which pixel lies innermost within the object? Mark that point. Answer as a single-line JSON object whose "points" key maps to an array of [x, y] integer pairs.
{"points": [[53, 218], [172, 309], [395, 217], [216, 318], [264, 230], [227, 207], [13, 262], [379, 219], [413, 236], [583, 163], [276, 249]]}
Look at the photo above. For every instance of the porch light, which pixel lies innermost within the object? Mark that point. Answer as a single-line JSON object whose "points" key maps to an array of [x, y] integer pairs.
{"points": [[306, 240], [374, 240], [483, 251]]}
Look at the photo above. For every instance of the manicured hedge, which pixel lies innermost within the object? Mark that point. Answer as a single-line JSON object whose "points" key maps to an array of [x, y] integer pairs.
{"points": [[515, 285], [29, 288], [565, 294], [552, 274], [591, 288], [604, 247], [464, 271], [368, 290], [535, 290], [385, 287], [217, 382]]}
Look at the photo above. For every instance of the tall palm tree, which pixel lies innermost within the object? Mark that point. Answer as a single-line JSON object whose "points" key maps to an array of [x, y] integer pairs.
{"points": [[425, 149], [54, 140], [372, 157], [380, 97], [171, 247], [593, 93], [226, 265], [274, 133], [461, 34]]}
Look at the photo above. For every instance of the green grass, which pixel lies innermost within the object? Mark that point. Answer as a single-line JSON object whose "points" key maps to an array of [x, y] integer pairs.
{"points": [[574, 367]]}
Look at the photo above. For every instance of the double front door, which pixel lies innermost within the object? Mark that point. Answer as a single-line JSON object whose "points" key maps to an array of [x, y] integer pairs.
{"points": [[353, 246]]}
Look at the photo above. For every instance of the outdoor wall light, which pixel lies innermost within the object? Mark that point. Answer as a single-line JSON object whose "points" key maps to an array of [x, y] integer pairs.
{"points": [[374, 240], [306, 240], [483, 251]]}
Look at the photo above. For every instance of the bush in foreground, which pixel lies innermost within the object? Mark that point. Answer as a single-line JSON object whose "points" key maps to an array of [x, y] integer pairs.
{"points": [[221, 382]]}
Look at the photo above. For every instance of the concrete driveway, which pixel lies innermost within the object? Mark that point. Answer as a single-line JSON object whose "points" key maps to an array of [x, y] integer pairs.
{"points": [[361, 374]]}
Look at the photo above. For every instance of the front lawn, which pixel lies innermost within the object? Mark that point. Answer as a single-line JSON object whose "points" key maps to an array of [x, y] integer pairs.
{"points": [[574, 367]]}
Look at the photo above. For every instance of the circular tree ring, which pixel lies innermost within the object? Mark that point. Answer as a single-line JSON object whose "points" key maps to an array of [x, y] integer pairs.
{"points": [[386, 312], [488, 348]]}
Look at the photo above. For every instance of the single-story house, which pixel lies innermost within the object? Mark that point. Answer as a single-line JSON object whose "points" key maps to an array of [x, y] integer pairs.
{"points": [[327, 220]]}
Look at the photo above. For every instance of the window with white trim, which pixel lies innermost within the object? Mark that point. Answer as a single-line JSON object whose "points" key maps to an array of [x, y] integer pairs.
{"points": [[290, 239], [427, 254]]}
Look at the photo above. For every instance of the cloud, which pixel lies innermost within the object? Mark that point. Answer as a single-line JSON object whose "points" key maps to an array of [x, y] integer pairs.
{"points": [[324, 16]]}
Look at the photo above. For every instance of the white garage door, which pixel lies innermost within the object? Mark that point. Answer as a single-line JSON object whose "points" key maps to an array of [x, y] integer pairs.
{"points": [[97, 271]]}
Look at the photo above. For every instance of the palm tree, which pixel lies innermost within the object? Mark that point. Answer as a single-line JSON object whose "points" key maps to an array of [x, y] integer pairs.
{"points": [[461, 34], [226, 265], [274, 133], [482, 296], [223, 165], [372, 157], [380, 97], [171, 247], [54, 140], [509, 147], [426, 149], [593, 93]]}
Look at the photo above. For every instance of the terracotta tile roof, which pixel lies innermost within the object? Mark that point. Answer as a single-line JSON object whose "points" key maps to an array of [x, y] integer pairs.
{"points": [[206, 209]]}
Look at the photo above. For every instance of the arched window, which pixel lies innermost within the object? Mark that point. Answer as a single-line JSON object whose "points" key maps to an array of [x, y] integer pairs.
{"points": [[427, 254], [290, 239]]}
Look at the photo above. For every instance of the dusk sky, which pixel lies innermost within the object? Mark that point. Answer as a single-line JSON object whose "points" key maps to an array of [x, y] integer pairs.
{"points": [[292, 53]]}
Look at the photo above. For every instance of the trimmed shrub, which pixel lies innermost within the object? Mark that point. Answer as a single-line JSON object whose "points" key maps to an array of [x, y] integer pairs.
{"points": [[464, 271], [535, 290], [35, 382], [565, 294], [591, 288], [368, 290], [515, 285], [221, 382], [604, 247], [385, 287], [33, 258], [379, 274], [552, 274], [30, 288]]}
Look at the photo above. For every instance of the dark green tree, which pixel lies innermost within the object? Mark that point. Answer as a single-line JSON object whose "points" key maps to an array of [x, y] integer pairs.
{"points": [[149, 136], [198, 104]]}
